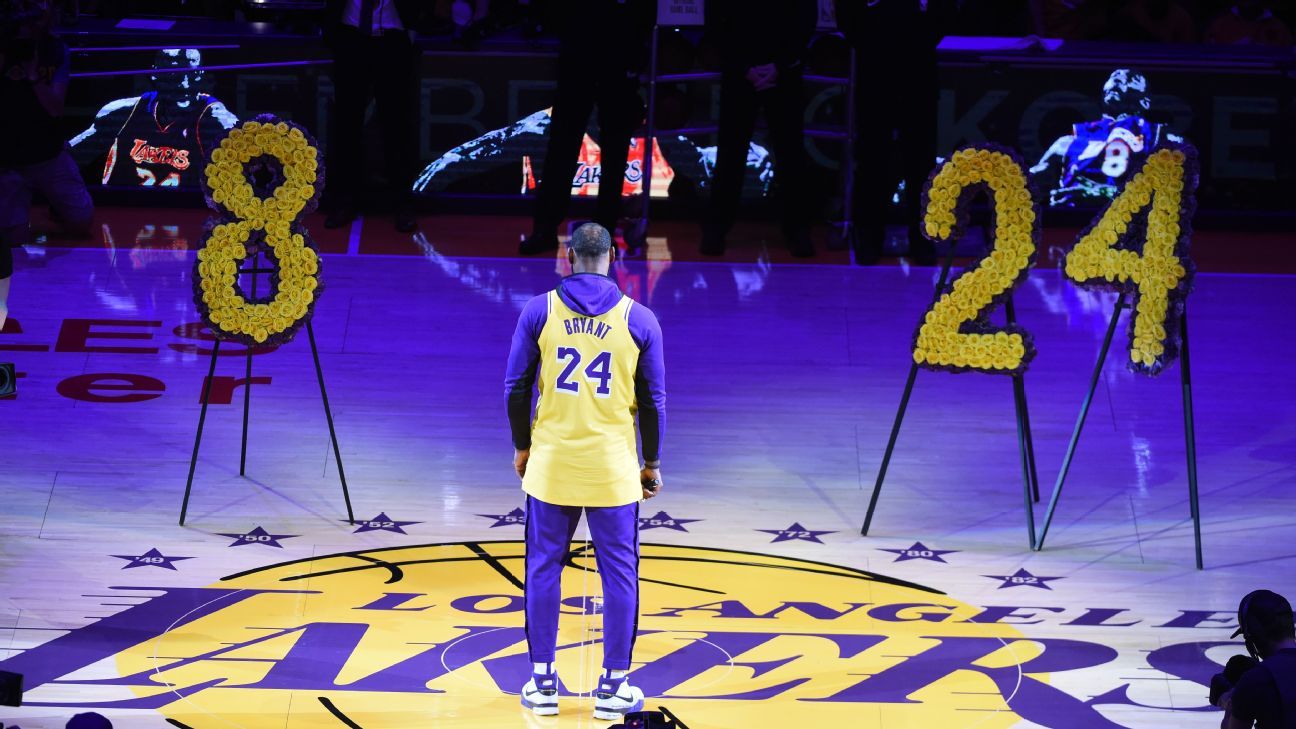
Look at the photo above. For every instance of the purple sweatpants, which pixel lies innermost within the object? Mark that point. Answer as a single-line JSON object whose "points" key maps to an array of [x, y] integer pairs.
{"points": [[549, 530]]}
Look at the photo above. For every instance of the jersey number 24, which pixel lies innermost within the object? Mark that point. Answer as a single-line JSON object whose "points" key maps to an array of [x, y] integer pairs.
{"points": [[598, 372]]}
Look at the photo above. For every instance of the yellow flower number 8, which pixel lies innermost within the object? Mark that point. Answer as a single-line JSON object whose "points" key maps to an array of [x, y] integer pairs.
{"points": [[268, 223], [1155, 206], [956, 333]]}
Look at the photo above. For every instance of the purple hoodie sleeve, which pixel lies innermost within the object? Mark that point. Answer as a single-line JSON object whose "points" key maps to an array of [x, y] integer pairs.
{"points": [[650, 380], [523, 362]]}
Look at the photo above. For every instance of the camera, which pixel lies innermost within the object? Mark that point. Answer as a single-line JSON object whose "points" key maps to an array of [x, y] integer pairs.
{"points": [[1222, 683], [8, 380], [650, 720]]}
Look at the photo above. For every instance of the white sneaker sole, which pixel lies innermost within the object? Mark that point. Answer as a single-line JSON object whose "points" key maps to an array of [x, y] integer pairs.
{"points": [[545, 709], [614, 714]]}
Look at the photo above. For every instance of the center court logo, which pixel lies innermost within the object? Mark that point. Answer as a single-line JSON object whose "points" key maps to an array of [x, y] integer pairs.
{"points": [[432, 635]]}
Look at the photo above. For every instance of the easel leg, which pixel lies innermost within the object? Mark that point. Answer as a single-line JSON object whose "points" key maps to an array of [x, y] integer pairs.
{"points": [[886, 457], [904, 405], [1023, 412], [247, 406], [1025, 444], [247, 393], [1030, 443], [1190, 436], [202, 418], [1030, 482], [1080, 421], [328, 413]]}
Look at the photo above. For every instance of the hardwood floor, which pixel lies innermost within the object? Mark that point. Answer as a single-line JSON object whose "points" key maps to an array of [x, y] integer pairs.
{"points": [[761, 603]]}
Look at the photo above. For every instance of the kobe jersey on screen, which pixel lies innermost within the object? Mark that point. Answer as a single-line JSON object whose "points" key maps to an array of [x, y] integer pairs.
{"points": [[583, 440], [148, 152]]}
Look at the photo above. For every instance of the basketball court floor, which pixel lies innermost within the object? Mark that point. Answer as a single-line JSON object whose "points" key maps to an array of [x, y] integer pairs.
{"points": [[762, 605]]}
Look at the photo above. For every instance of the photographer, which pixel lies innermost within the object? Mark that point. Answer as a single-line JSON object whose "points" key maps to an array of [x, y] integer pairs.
{"points": [[1260, 690], [33, 84]]}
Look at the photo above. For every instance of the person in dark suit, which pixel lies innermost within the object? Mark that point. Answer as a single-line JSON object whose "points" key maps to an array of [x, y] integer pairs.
{"points": [[761, 44], [602, 48], [895, 109], [374, 57]]}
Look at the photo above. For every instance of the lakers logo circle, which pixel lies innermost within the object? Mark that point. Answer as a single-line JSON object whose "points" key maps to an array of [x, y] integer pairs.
{"points": [[433, 635]]}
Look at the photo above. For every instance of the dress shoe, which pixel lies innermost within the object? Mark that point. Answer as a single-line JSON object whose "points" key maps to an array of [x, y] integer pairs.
{"points": [[405, 220], [713, 243], [635, 235], [866, 255], [923, 252], [340, 217], [538, 243], [799, 243]]}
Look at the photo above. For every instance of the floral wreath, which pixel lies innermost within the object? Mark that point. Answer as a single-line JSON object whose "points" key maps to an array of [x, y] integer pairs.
{"points": [[260, 214], [1153, 213], [956, 334]]}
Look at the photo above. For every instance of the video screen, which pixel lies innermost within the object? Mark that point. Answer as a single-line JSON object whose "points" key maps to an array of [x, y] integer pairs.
{"points": [[1090, 163], [677, 161], [148, 119], [161, 137]]}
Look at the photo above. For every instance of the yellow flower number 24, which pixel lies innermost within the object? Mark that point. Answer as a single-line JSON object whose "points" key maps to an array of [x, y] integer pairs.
{"points": [[1137, 245], [956, 334], [1153, 209]]}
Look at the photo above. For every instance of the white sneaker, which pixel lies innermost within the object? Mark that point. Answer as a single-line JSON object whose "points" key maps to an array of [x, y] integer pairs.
{"points": [[615, 698], [540, 694]]}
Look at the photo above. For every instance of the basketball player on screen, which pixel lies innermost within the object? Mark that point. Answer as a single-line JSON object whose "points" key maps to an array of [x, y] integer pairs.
{"points": [[162, 137], [598, 358], [1090, 164]]}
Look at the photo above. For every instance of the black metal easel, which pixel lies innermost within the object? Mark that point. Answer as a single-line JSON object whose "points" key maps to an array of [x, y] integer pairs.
{"points": [[1190, 436], [247, 405], [1025, 443]]}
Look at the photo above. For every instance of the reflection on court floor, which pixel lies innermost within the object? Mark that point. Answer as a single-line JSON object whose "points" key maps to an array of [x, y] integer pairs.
{"points": [[761, 603]]}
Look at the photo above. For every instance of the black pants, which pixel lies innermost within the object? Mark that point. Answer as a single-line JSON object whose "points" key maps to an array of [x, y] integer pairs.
{"points": [[895, 111], [620, 110], [385, 69], [6, 259], [784, 107]]}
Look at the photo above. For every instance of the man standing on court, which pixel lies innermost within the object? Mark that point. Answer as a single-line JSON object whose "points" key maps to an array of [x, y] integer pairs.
{"points": [[598, 359]]}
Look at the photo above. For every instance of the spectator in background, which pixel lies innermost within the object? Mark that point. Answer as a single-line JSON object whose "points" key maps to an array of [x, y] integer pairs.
{"points": [[1153, 21], [1071, 19], [374, 57], [762, 44], [1004, 18], [1249, 22], [34, 72], [602, 47], [896, 90], [469, 20]]}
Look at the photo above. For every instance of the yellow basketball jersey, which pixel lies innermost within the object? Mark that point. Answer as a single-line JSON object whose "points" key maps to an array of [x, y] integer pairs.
{"points": [[583, 450]]}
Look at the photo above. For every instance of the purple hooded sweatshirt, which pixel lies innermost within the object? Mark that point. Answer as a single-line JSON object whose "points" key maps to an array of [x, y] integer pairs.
{"points": [[589, 294]]}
